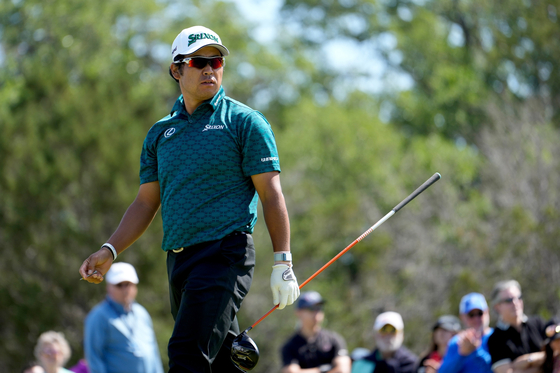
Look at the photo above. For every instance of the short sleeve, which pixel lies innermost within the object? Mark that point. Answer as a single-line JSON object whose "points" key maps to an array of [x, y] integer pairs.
{"points": [[148, 162], [258, 146]]}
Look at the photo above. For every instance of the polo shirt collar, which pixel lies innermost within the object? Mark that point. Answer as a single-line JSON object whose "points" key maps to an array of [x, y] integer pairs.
{"points": [[179, 105], [505, 326]]}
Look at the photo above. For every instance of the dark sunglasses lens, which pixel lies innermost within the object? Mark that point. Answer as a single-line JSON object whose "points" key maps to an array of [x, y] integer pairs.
{"points": [[216, 63], [200, 63], [475, 314]]}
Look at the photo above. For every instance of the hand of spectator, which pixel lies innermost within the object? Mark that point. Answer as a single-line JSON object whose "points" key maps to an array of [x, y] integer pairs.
{"points": [[528, 362], [431, 366], [469, 341]]}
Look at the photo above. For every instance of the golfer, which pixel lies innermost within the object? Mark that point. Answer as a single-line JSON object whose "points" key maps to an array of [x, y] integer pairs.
{"points": [[206, 164]]}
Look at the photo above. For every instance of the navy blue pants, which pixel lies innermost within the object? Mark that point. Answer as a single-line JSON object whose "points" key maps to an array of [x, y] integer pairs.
{"points": [[207, 284]]}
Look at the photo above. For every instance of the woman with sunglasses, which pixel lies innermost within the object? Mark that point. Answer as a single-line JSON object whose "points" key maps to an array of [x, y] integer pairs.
{"points": [[206, 164], [516, 344]]}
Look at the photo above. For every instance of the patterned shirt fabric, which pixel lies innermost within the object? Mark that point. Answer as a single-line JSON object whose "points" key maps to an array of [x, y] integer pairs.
{"points": [[478, 361], [116, 341], [321, 350], [204, 163]]}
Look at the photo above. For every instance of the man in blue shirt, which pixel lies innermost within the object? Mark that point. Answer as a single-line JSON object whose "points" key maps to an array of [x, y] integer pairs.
{"points": [[119, 335], [206, 164], [468, 351]]}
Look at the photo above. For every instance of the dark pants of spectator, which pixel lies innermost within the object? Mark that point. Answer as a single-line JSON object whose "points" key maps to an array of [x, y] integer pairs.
{"points": [[207, 283]]}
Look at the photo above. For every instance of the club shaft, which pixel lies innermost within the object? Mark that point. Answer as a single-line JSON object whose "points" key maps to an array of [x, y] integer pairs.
{"points": [[435, 177]]}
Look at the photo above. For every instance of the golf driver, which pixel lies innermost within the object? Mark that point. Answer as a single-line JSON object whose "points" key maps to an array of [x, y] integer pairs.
{"points": [[244, 351]]}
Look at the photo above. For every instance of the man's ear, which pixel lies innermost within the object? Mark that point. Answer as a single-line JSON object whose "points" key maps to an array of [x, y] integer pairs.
{"points": [[174, 69]]}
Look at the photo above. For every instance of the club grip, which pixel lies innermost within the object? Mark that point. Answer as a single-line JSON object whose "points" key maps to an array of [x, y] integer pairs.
{"points": [[419, 190]]}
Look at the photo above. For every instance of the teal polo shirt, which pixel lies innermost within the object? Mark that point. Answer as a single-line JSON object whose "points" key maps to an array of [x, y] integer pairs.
{"points": [[203, 163]]}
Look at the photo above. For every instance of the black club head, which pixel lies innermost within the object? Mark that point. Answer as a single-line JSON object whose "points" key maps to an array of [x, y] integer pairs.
{"points": [[244, 352]]}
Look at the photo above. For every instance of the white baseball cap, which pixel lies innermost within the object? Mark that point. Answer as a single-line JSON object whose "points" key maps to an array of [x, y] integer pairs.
{"points": [[121, 272], [193, 38], [391, 318]]}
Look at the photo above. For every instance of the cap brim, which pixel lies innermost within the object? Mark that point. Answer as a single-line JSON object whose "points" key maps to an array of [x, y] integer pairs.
{"points": [[223, 50]]}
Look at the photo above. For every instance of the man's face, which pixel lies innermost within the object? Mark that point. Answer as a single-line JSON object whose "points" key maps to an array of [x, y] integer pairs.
{"points": [[388, 338], [51, 354], [510, 305], [196, 84], [123, 293], [310, 318], [476, 319]]}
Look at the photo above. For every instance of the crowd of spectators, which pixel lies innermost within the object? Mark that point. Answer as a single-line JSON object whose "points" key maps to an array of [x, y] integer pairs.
{"points": [[518, 344], [463, 344]]}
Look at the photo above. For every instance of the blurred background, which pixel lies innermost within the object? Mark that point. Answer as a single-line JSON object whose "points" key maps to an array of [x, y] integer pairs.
{"points": [[367, 99]]}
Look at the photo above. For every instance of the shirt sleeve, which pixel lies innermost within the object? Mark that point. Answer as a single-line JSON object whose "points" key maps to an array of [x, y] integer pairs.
{"points": [[148, 160], [288, 357], [498, 350], [339, 345], [258, 146], [452, 361], [94, 342]]}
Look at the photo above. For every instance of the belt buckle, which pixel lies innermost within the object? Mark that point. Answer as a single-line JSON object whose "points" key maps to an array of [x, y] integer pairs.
{"points": [[176, 251]]}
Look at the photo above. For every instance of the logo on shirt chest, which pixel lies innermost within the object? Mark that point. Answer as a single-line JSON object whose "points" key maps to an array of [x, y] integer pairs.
{"points": [[210, 127], [169, 132]]}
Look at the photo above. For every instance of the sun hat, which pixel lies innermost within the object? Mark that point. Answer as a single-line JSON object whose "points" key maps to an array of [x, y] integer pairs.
{"points": [[121, 272], [391, 318]]}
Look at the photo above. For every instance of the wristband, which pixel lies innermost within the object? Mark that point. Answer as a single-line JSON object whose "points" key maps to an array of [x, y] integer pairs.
{"points": [[111, 249], [283, 257]]}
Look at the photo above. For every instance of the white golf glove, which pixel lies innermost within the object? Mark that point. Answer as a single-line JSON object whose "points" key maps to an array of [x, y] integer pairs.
{"points": [[284, 286]]}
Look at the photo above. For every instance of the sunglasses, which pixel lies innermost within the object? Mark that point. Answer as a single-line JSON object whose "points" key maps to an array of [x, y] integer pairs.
{"points": [[123, 285], [510, 300], [474, 314], [387, 329], [201, 62]]}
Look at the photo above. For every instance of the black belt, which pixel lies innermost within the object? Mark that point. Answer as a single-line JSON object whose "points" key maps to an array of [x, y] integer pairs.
{"points": [[235, 233]]}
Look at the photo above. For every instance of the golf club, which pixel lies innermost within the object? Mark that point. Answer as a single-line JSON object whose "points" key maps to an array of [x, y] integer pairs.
{"points": [[244, 351]]}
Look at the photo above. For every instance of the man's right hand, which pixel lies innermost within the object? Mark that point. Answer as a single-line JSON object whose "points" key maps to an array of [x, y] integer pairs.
{"points": [[96, 265], [469, 341]]}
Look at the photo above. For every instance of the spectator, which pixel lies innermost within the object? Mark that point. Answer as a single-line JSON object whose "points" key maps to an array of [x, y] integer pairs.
{"points": [[52, 351], [32, 367], [312, 346], [389, 356], [119, 336], [443, 330], [552, 350], [516, 344], [468, 351]]}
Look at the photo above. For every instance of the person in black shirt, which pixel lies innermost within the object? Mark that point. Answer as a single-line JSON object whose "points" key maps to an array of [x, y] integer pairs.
{"points": [[516, 344], [313, 349]]}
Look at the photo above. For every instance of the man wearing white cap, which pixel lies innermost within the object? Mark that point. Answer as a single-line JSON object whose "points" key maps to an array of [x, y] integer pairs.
{"points": [[206, 164], [390, 356], [468, 351], [119, 335]]}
